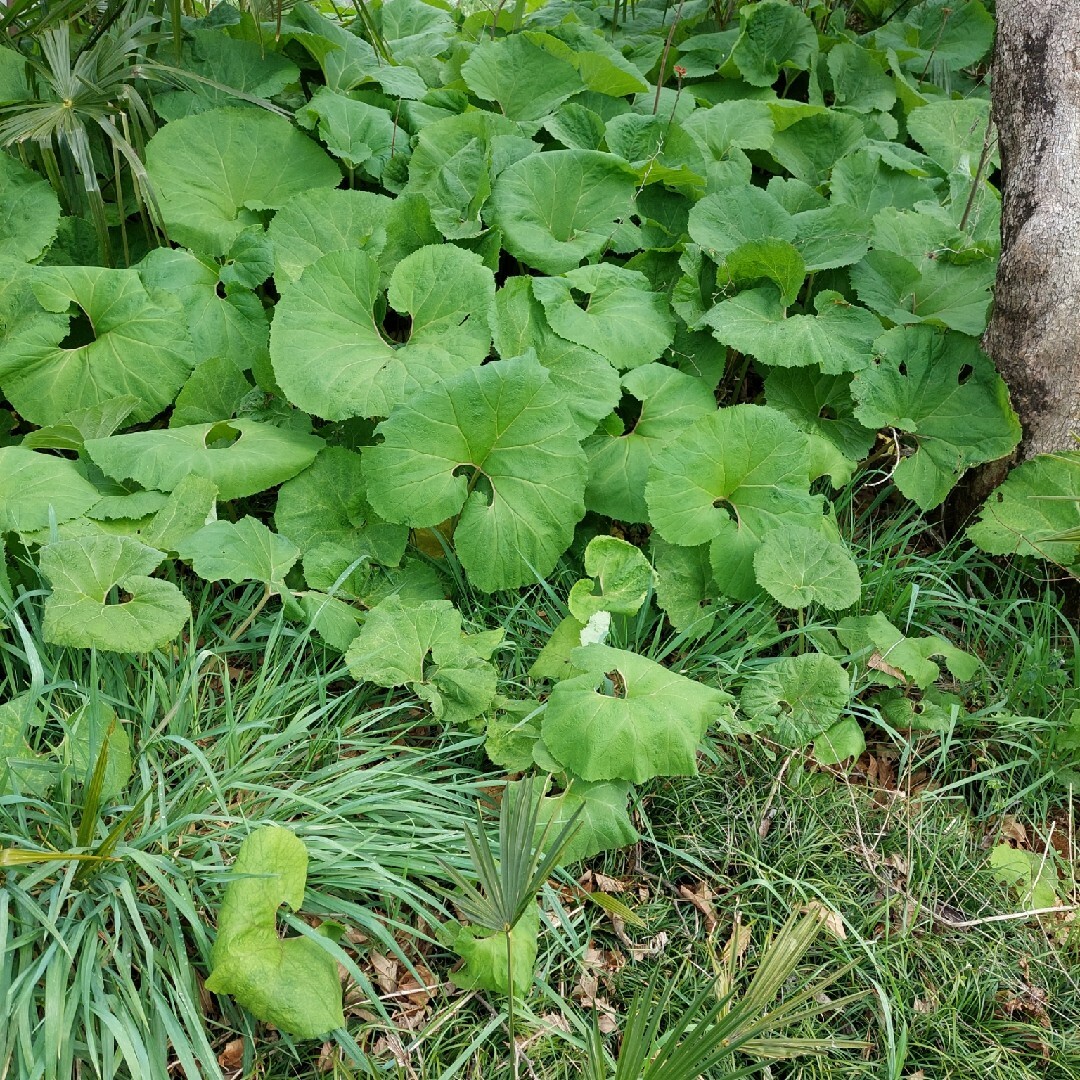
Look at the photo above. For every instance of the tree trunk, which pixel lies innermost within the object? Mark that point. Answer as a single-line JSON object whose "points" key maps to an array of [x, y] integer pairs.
{"points": [[1034, 333]]}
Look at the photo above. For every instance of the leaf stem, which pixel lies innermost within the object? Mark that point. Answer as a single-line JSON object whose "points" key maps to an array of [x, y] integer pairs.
{"points": [[664, 57]]}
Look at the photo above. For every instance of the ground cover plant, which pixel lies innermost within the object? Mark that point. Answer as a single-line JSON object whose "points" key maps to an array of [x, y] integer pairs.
{"points": [[543, 405]]}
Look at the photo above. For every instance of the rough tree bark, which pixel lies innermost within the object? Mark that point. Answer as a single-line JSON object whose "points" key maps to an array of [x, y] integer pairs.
{"points": [[1034, 333]]}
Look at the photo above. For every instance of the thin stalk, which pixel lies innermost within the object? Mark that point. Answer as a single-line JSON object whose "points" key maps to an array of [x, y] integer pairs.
{"points": [[984, 157], [510, 1004], [664, 56]]}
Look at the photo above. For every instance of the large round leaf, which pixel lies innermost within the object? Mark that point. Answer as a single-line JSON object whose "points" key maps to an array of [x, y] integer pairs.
{"points": [[560, 207], [498, 445], [331, 357], [241, 457], [648, 722], [36, 487], [138, 345], [619, 460], [315, 223], [730, 479], [214, 173], [798, 567], [29, 211], [799, 697], [724, 221], [144, 613]]}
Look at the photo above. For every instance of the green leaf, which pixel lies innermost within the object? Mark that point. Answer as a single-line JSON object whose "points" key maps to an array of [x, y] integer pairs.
{"points": [[35, 488], [560, 207], [831, 236], [774, 35], [216, 391], [313, 224], [622, 576], [191, 505], [799, 697], [603, 823], [292, 982], [953, 133], [553, 661], [840, 742], [740, 124], [144, 614], [685, 587], [811, 147], [394, 646], [942, 390], [576, 127], [619, 460], [242, 551], [88, 727], [484, 953], [774, 260], [325, 504], [498, 446], [820, 405], [729, 479], [1030, 873], [124, 340], [242, 457], [1039, 501], [359, 134], [908, 655], [74, 428], [951, 33], [871, 178], [17, 759], [590, 385], [647, 723], [232, 326], [526, 81], [859, 82], [329, 313], [249, 160], [334, 620], [798, 567], [942, 293], [621, 319], [727, 220], [602, 67], [29, 211]]}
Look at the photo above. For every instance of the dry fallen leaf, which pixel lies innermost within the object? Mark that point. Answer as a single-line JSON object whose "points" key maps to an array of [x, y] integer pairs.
{"points": [[877, 662], [701, 896], [232, 1057]]}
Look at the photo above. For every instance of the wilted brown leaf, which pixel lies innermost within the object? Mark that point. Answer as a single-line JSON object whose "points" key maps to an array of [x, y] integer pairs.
{"points": [[231, 1058]]}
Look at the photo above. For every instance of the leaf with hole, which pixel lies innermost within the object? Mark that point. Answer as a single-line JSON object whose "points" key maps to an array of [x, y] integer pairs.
{"points": [[103, 596], [290, 982], [330, 313], [497, 447], [798, 697], [242, 457], [629, 718]]}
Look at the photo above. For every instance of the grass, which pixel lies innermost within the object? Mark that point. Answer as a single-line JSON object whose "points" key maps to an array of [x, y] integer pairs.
{"points": [[103, 966]]}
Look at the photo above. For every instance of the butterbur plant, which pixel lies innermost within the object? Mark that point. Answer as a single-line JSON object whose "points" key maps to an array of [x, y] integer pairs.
{"points": [[509, 873]]}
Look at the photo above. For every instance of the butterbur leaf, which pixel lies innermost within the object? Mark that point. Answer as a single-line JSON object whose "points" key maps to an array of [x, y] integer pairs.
{"points": [[954, 33], [313, 224], [1031, 874], [560, 207], [553, 661], [242, 551], [422, 646], [29, 211], [122, 340], [326, 504], [724, 221], [484, 953], [728, 479], [359, 134], [249, 160], [619, 460], [329, 312], [859, 81], [526, 81], [909, 655], [774, 35], [772, 259], [798, 697], [289, 982], [17, 768], [685, 587], [841, 742], [622, 319], [35, 487], [498, 446], [147, 612], [241, 457], [1035, 512], [953, 132], [798, 567], [648, 723], [943, 391], [622, 578], [603, 823], [88, 728]]}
